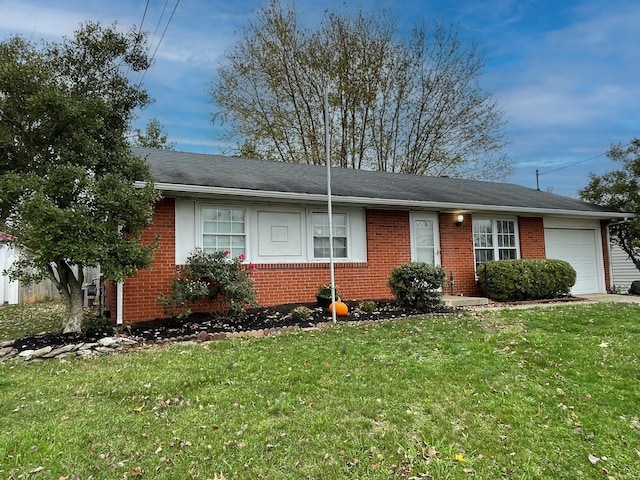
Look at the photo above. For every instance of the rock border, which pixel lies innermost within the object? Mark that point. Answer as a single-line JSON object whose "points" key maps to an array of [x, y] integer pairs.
{"points": [[117, 344]]}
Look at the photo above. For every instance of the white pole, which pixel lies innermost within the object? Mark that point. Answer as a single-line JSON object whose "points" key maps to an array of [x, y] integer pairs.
{"points": [[119, 306], [329, 209]]}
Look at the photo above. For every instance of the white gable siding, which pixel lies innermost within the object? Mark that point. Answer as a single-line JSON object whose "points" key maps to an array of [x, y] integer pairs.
{"points": [[623, 271]]}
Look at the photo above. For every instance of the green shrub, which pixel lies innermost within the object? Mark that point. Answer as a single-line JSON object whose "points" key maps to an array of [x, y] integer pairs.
{"points": [[213, 279], [301, 313], [530, 279], [95, 323], [417, 285], [367, 306]]}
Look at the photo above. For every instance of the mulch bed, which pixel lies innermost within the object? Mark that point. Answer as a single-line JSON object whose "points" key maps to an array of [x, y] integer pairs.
{"points": [[273, 317]]}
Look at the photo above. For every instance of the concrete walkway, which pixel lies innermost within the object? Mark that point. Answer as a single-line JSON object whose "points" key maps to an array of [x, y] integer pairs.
{"points": [[484, 303]]}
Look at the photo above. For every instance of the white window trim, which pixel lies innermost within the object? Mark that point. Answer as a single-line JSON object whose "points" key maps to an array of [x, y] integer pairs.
{"points": [[310, 247], [189, 230], [493, 220], [200, 219]]}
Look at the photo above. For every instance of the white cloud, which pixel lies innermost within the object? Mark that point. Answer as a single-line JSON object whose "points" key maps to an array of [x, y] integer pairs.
{"points": [[38, 21]]}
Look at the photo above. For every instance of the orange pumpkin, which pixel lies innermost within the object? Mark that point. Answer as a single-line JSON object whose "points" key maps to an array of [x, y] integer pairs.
{"points": [[341, 309]]}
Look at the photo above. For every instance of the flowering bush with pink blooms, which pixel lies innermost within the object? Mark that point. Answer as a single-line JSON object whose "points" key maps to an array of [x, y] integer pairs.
{"points": [[215, 279]]}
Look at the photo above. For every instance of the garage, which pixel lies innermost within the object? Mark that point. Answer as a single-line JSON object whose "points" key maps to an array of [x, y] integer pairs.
{"points": [[581, 248]]}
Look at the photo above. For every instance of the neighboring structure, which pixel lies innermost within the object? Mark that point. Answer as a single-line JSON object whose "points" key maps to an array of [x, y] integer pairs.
{"points": [[623, 270], [13, 292], [8, 289], [275, 214]]}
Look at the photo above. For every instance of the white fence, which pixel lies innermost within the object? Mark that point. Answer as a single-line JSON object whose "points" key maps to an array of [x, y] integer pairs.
{"points": [[9, 291], [14, 292]]}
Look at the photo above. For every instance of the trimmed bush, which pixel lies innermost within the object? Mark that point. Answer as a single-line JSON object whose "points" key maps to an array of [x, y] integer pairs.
{"points": [[529, 279], [417, 285]]}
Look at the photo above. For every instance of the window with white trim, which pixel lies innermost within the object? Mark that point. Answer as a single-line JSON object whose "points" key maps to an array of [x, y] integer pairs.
{"points": [[494, 239], [320, 233], [223, 228]]}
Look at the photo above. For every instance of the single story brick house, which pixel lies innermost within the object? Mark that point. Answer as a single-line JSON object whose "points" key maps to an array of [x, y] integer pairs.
{"points": [[275, 214]]}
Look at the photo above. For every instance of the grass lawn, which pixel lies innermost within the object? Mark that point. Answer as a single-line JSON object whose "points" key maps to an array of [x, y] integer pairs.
{"points": [[550, 393], [31, 318]]}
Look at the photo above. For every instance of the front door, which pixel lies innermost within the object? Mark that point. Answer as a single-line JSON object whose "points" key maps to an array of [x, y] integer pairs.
{"points": [[425, 240]]}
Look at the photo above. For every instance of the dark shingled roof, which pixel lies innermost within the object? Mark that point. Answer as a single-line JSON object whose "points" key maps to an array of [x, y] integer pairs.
{"points": [[215, 171]]}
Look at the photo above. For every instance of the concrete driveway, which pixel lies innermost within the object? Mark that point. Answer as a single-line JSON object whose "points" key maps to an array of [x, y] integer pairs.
{"points": [[482, 303], [610, 297]]}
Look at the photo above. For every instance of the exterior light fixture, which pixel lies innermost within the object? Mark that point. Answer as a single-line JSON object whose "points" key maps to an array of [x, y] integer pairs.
{"points": [[459, 220]]}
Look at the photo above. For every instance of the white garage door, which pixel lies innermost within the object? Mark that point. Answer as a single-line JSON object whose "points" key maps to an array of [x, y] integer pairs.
{"points": [[578, 247]]}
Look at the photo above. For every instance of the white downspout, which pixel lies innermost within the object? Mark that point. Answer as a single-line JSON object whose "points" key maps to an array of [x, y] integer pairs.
{"points": [[119, 293]]}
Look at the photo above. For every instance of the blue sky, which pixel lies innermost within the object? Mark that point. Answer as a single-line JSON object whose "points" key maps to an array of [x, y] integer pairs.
{"points": [[565, 72]]}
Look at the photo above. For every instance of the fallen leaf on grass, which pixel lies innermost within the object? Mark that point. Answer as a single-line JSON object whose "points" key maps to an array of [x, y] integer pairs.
{"points": [[36, 470], [593, 459], [218, 477], [460, 458]]}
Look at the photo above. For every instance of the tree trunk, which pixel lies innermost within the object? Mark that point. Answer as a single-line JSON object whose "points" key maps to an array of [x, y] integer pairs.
{"points": [[74, 318], [70, 287], [74, 287]]}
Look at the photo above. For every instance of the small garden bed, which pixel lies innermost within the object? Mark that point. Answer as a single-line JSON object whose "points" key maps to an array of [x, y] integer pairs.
{"points": [[262, 318]]}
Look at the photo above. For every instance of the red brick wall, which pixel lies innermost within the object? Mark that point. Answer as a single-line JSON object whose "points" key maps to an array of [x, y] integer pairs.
{"points": [[141, 291], [531, 230], [456, 254], [388, 245]]}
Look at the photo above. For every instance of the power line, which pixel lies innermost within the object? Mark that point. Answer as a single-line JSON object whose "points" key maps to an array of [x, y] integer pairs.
{"points": [[539, 174], [144, 15], [155, 32], [161, 38], [573, 164]]}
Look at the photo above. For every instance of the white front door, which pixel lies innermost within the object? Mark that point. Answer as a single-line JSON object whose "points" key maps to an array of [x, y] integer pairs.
{"points": [[425, 239]]}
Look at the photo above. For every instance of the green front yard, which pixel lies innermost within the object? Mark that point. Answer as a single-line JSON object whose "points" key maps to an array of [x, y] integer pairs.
{"points": [[548, 393]]}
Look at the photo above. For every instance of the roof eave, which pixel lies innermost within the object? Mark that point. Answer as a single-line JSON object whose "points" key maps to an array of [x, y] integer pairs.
{"points": [[382, 202]]}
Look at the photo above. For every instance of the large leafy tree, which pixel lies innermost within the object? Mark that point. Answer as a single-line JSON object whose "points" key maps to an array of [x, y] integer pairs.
{"points": [[620, 190], [409, 104], [67, 174]]}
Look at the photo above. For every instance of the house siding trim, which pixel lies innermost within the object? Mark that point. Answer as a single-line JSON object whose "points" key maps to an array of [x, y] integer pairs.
{"points": [[203, 191]]}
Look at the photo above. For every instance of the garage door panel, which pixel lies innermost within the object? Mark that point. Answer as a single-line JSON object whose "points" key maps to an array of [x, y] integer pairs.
{"points": [[578, 248]]}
